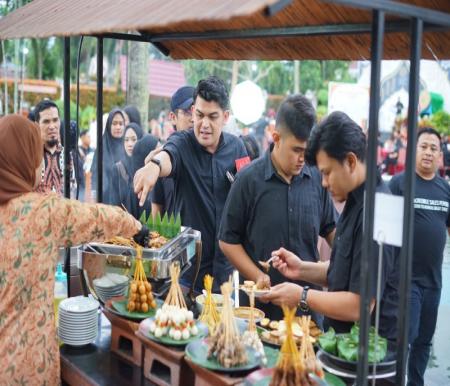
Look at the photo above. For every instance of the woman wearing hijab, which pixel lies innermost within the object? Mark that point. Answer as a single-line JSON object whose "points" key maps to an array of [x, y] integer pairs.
{"points": [[143, 147], [113, 151], [122, 192], [132, 115], [32, 228]]}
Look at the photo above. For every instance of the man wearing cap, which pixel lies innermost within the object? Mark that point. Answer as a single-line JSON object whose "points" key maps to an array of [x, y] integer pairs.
{"points": [[163, 198], [199, 160]]}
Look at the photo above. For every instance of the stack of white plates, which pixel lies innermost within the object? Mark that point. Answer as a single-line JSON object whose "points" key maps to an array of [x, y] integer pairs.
{"points": [[110, 285], [78, 320]]}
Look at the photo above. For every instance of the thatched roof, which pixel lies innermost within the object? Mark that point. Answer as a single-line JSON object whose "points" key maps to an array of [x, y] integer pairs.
{"points": [[231, 29]]}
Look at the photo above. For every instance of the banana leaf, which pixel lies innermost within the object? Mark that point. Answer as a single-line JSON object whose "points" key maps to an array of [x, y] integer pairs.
{"points": [[379, 351], [178, 224], [165, 226], [150, 223], [347, 347], [172, 230], [157, 223], [328, 341], [143, 218]]}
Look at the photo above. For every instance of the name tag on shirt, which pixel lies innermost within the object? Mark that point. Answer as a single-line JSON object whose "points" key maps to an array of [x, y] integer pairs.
{"points": [[241, 162]]}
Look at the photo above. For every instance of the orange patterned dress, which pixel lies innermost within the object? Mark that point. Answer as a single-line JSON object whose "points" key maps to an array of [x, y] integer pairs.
{"points": [[32, 228]]}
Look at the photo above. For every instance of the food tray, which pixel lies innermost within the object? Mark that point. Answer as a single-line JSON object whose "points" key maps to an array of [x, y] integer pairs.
{"points": [[156, 261]]}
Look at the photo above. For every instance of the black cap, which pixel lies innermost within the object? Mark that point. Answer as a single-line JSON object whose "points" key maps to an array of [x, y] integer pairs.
{"points": [[182, 99]]}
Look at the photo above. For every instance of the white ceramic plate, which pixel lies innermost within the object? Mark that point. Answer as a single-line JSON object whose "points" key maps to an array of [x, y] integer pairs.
{"points": [[76, 338], [108, 282], [84, 335], [87, 331], [110, 287], [78, 317], [79, 304], [77, 327], [75, 342], [258, 292], [111, 294]]}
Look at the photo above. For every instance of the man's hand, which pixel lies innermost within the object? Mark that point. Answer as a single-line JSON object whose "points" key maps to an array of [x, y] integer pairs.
{"points": [[289, 264], [144, 181], [142, 236], [287, 294], [152, 154]]}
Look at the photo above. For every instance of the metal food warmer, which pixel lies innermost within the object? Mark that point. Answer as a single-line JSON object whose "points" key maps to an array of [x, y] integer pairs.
{"points": [[98, 259]]}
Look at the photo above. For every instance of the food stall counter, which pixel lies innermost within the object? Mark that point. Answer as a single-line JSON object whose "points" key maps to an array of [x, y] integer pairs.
{"points": [[95, 364]]}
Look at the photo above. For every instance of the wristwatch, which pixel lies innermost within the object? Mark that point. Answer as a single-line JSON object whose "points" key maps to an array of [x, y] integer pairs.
{"points": [[303, 303], [157, 162]]}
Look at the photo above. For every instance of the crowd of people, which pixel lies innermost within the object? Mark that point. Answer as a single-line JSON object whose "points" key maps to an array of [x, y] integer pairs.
{"points": [[247, 207]]}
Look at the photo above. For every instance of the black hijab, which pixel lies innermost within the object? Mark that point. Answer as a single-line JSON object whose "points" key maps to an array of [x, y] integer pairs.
{"points": [[133, 114], [113, 151], [144, 146], [128, 160]]}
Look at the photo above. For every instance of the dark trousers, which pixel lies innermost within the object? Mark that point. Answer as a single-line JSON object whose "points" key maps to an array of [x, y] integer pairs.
{"points": [[424, 304]]}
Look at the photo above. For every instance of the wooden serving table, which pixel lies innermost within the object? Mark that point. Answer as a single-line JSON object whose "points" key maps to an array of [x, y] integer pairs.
{"points": [[165, 365], [205, 377], [123, 339], [95, 364]]}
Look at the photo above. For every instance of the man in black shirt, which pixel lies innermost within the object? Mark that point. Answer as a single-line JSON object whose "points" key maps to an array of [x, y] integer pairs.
{"points": [[431, 221], [198, 160], [278, 201], [338, 146]]}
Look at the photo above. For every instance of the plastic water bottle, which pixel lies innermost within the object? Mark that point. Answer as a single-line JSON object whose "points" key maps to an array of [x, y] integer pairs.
{"points": [[60, 289]]}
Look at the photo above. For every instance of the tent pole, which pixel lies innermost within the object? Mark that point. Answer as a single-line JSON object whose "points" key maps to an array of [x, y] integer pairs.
{"points": [[408, 219], [99, 119], [67, 140], [367, 279]]}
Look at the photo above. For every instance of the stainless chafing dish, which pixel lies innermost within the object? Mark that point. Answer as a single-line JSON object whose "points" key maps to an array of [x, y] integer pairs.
{"points": [[97, 259]]}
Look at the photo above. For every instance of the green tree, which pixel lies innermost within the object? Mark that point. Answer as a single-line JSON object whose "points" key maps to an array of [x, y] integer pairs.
{"points": [[200, 69], [441, 121], [137, 93]]}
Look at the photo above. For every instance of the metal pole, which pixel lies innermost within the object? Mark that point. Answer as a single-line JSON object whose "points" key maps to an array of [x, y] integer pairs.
{"points": [[22, 78], [408, 219], [366, 280], [67, 117], [99, 119], [66, 134]]}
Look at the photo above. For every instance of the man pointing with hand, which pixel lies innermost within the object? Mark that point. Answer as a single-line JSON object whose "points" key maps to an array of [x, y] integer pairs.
{"points": [[198, 160]]}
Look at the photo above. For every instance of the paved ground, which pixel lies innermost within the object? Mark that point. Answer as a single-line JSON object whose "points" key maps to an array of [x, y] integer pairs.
{"points": [[438, 372]]}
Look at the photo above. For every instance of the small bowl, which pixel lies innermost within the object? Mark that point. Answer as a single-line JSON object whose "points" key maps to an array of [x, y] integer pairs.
{"points": [[218, 298], [243, 313]]}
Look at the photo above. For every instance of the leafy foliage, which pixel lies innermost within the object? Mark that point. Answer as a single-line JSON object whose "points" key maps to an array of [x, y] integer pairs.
{"points": [[441, 122]]}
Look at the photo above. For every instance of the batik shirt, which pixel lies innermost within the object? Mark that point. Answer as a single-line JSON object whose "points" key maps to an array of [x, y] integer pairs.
{"points": [[53, 175], [32, 228]]}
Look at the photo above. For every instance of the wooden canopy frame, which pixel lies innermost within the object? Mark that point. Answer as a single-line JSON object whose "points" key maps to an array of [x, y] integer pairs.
{"points": [[270, 29]]}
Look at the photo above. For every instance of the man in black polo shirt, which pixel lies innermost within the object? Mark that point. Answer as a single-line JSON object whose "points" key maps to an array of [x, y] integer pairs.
{"points": [[431, 223], [278, 201], [198, 160], [338, 146]]}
